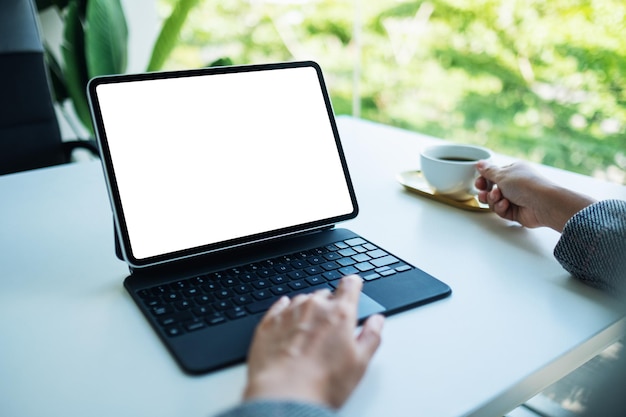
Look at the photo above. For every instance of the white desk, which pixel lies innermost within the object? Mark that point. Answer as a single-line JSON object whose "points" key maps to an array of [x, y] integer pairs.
{"points": [[73, 344]]}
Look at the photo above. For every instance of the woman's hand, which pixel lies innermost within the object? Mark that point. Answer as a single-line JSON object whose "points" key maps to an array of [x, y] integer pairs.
{"points": [[516, 192], [305, 349]]}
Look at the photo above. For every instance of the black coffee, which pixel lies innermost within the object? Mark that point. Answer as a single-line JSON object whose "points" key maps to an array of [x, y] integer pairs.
{"points": [[458, 159]]}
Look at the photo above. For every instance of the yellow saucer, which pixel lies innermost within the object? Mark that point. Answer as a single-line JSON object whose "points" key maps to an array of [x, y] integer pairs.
{"points": [[415, 181]]}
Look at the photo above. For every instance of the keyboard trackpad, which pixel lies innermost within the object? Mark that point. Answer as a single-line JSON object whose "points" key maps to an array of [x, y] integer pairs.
{"points": [[367, 307]]}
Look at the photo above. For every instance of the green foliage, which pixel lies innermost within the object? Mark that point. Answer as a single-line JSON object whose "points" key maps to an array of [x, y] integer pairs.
{"points": [[168, 37], [106, 38], [545, 81], [76, 74], [95, 43], [95, 39]]}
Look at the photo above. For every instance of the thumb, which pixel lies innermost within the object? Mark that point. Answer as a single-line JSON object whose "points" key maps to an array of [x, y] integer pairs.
{"points": [[487, 170], [369, 338]]}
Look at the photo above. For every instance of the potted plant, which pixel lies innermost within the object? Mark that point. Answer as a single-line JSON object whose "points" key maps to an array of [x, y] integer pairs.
{"points": [[95, 42]]}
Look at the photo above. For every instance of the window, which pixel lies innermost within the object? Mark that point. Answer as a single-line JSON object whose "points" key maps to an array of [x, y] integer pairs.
{"points": [[544, 81]]}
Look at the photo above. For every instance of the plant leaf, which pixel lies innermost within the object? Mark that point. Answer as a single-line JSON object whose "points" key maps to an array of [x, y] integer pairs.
{"points": [[221, 62], [73, 50], [106, 38], [170, 31]]}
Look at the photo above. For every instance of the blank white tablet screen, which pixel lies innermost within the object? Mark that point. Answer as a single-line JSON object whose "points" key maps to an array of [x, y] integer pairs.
{"points": [[204, 159]]}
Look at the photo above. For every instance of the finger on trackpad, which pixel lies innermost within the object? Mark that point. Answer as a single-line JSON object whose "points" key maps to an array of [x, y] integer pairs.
{"points": [[367, 307]]}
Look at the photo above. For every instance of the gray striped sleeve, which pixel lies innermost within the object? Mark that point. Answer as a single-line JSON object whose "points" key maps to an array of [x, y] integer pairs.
{"points": [[278, 409], [593, 245]]}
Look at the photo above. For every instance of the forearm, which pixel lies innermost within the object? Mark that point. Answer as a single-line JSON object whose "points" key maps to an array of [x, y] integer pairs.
{"points": [[559, 205], [593, 245]]}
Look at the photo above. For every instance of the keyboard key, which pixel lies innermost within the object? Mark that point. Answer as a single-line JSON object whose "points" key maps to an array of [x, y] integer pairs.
{"points": [[385, 260], [171, 319], [203, 311], [261, 294], [230, 281], [183, 305], [243, 299], [265, 273], [403, 268], [387, 272], [364, 266], [279, 279], [342, 245], [355, 241], [252, 267], [315, 279], [209, 287], [194, 325], [234, 272], [204, 299], [370, 276], [173, 331], [216, 276], [242, 288], [223, 305], [160, 290], [316, 259], [280, 289], [236, 313], [269, 263], [159, 311], [329, 266], [319, 251], [191, 292], [223, 294], [152, 301], [260, 284], [361, 258], [378, 253], [331, 256], [144, 293], [171, 297], [347, 252], [281, 269], [197, 281], [313, 270], [215, 318], [299, 264], [346, 261], [297, 285], [296, 274], [331, 275], [179, 285], [246, 277], [348, 270]]}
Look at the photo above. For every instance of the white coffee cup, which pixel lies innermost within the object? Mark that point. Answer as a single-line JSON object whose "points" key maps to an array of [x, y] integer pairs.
{"points": [[450, 169]]}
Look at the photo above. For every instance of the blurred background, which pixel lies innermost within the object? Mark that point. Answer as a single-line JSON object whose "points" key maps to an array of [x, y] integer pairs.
{"points": [[540, 80]]}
